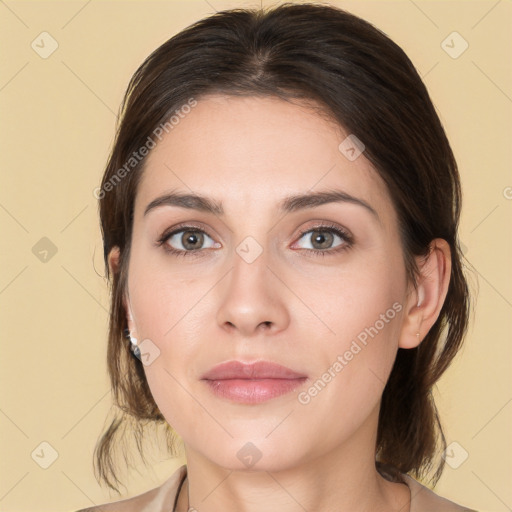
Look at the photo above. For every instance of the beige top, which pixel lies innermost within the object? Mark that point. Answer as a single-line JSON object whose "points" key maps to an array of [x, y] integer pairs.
{"points": [[161, 499]]}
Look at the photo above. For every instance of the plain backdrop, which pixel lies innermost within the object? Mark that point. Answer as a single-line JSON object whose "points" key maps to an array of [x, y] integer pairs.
{"points": [[58, 114]]}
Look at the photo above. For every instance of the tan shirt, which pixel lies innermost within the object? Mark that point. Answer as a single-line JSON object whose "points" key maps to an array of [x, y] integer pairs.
{"points": [[161, 499]]}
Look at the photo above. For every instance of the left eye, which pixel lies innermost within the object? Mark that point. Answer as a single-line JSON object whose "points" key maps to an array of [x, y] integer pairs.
{"points": [[323, 238]]}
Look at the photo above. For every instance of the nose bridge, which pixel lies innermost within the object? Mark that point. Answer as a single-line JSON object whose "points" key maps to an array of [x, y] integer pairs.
{"points": [[250, 261], [252, 295], [251, 243], [250, 274]]}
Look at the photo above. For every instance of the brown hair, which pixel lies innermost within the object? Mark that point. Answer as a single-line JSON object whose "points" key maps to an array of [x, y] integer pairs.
{"points": [[367, 84]]}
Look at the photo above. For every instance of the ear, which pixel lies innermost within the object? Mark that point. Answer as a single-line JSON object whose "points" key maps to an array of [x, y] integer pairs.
{"points": [[113, 259], [424, 304], [113, 263]]}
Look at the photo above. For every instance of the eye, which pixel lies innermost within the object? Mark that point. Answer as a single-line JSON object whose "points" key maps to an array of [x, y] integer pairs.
{"points": [[323, 237], [185, 241]]}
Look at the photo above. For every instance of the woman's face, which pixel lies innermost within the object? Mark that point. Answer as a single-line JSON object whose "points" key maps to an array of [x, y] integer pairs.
{"points": [[246, 285]]}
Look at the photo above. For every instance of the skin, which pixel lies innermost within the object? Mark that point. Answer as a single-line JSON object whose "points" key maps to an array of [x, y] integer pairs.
{"points": [[287, 306]]}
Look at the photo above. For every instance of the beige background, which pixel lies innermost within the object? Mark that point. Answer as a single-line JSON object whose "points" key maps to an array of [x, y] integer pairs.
{"points": [[58, 118]]}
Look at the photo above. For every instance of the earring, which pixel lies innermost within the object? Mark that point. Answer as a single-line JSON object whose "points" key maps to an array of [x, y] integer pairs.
{"points": [[133, 342]]}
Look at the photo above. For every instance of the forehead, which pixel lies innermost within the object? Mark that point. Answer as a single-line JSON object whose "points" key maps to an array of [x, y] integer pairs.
{"points": [[249, 151]]}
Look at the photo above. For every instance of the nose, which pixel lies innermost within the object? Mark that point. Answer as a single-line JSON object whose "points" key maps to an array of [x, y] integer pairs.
{"points": [[252, 297]]}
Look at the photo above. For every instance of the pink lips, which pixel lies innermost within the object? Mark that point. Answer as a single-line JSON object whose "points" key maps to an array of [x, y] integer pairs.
{"points": [[252, 383]]}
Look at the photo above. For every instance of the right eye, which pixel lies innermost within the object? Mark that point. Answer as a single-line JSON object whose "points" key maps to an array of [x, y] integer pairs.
{"points": [[185, 241]]}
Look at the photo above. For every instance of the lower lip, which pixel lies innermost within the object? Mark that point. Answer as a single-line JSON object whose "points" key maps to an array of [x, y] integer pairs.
{"points": [[253, 391]]}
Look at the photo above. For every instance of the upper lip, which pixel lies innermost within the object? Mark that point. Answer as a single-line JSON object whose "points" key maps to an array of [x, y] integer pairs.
{"points": [[257, 370]]}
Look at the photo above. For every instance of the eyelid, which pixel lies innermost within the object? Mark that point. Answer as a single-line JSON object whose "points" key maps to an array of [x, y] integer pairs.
{"points": [[328, 226], [184, 226]]}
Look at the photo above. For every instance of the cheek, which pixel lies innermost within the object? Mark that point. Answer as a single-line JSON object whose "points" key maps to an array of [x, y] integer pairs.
{"points": [[363, 310], [361, 299], [165, 301], [352, 372], [168, 311]]}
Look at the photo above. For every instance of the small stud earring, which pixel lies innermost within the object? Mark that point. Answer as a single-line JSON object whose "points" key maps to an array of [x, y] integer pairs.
{"points": [[133, 342]]}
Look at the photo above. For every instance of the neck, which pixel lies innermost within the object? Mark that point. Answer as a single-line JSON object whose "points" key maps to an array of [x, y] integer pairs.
{"points": [[341, 480]]}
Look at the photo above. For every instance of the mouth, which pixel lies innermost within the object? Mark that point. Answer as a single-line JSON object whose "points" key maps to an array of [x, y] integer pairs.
{"points": [[252, 383]]}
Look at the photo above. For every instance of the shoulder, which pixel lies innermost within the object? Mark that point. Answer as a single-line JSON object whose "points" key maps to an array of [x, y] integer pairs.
{"points": [[425, 500], [155, 500], [159, 498]]}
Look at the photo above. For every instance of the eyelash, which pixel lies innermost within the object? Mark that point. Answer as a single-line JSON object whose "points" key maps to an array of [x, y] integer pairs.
{"points": [[330, 228]]}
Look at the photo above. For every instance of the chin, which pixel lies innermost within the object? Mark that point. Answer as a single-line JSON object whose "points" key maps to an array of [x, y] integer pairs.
{"points": [[258, 454]]}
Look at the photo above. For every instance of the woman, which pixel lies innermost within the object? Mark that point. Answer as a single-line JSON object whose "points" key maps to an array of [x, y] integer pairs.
{"points": [[279, 215]]}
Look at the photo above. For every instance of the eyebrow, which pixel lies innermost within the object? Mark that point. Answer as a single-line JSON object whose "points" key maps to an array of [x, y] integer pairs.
{"points": [[289, 204]]}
